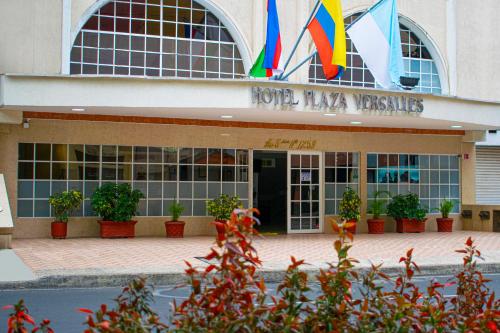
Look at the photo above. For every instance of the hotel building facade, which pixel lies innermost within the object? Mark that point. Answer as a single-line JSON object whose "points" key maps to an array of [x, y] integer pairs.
{"points": [[155, 93]]}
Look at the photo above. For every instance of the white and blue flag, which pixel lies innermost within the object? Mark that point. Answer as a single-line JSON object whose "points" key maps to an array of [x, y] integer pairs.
{"points": [[377, 38]]}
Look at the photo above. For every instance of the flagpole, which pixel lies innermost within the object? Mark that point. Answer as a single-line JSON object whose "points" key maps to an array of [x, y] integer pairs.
{"points": [[293, 70], [318, 2], [283, 77]]}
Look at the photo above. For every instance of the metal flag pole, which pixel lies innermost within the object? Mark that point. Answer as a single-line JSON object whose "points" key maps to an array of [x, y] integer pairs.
{"points": [[293, 70], [318, 2]]}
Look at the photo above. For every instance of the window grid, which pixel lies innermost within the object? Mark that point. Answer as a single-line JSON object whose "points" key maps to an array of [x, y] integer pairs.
{"points": [[156, 171], [416, 57], [341, 171], [432, 177], [156, 41]]}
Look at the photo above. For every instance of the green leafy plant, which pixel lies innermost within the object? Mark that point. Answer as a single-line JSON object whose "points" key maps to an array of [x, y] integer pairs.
{"points": [[349, 207], [176, 210], [223, 206], [406, 206], [132, 312], [230, 295], [116, 202], [377, 207], [64, 203], [445, 208]]}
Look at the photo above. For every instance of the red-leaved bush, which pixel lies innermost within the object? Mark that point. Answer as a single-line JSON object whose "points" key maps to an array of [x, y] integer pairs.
{"points": [[229, 296]]}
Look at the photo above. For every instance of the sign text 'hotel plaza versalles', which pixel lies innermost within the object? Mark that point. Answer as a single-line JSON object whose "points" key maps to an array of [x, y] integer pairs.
{"points": [[322, 100]]}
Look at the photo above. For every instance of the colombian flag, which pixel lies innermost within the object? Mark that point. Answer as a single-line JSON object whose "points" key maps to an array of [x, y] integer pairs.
{"points": [[328, 32]]}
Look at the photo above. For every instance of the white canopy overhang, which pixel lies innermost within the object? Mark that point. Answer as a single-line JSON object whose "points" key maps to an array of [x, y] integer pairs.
{"points": [[244, 100]]}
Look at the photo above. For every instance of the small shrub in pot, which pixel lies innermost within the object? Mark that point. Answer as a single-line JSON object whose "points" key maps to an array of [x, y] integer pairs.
{"points": [[116, 204], [175, 228], [445, 223], [406, 209], [377, 208], [62, 205], [349, 207], [221, 209]]}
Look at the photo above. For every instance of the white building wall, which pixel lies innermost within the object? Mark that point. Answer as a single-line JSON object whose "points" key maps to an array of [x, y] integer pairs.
{"points": [[31, 38]]}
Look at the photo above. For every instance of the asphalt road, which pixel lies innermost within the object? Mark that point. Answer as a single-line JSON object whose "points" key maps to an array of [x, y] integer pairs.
{"points": [[60, 305]]}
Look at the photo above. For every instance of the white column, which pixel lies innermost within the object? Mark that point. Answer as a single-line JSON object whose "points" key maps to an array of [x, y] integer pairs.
{"points": [[66, 36], [259, 16], [451, 44]]}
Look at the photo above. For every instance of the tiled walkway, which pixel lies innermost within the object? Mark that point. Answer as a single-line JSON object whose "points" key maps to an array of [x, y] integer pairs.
{"points": [[162, 255]]}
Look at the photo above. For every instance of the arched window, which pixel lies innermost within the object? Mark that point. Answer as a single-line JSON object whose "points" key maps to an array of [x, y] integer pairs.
{"points": [[176, 38], [416, 57]]}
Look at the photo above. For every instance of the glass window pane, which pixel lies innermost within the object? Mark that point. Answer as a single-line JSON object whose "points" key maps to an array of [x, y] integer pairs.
{"points": [[43, 152], [200, 156], [125, 154], [26, 151], [140, 154], [170, 172], [185, 173], [42, 170], [76, 153], [169, 155], [59, 171], [92, 153], [109, 153], [24, 208], [25, 170], [186, 156], [170, 190]]}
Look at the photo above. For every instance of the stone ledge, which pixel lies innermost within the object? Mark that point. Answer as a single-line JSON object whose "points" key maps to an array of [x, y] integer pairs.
{"points": [[5, 241], [165, 279]]}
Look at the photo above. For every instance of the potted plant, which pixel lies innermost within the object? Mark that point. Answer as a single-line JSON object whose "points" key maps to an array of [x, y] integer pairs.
{"points": [[175, 228], [445, 223], [116, 204], [221, 208], [349, 208], [377, 208], [63, 204], [410, 216]]}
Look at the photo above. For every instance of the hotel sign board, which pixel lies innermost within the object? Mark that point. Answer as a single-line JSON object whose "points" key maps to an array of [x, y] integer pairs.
{"points": [[335, 101]]}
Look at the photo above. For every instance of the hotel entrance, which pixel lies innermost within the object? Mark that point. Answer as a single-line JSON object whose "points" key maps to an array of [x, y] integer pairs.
{"points": [[270, 190], [287, 190], [305, 192]]}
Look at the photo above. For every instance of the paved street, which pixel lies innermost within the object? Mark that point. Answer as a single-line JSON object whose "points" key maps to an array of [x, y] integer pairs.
{"points": [[48, 257], [60, 304]]}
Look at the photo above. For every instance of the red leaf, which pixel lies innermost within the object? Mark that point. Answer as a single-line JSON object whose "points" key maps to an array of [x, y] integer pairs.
{"points": [[469, 241], [85, 310], [212, 255], [492, 326], [28, 318], [402, 259], [7, 307], [209, 268]]}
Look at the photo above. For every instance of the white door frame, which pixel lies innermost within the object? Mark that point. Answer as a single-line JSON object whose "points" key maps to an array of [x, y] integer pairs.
{"points": [[289, 193]]}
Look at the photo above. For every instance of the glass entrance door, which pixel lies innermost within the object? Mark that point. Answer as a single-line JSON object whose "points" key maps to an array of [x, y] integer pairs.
{"points": [[305, 191]]}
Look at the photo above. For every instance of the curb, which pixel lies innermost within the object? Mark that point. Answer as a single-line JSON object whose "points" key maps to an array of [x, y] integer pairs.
{"points": [[165, 279]]}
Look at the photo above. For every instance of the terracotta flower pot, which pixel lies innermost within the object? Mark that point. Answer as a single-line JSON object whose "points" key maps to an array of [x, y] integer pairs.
{"points": [[59, 230], [375, 226], [410, 226], [352, 229], [174, 229], [111, 229], [444, 224], [220, 226]]}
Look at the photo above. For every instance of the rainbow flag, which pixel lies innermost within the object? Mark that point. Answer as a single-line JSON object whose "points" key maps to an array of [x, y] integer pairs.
{"points": [[328, 33], [268, 62]]}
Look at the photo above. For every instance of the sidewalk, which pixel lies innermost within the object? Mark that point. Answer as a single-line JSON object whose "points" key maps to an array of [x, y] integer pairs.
{"points": [[100, 262]]}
